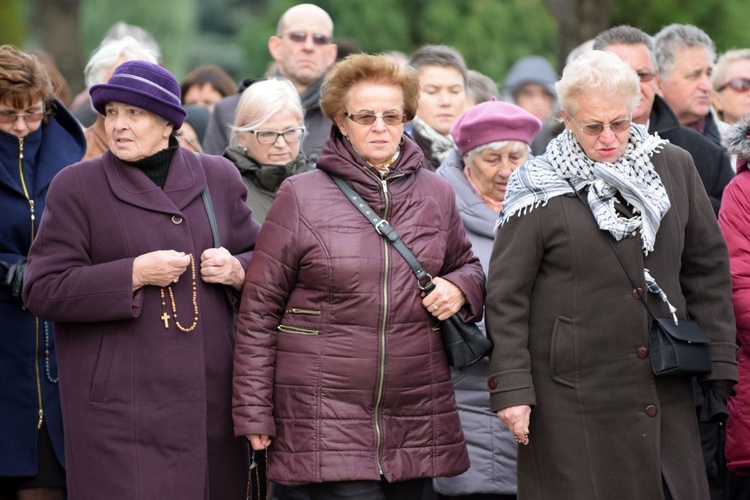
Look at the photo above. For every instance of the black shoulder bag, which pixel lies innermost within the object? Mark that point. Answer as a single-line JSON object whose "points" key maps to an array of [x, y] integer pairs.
{"points": [[208, 204], [464, 343], [675, 347]]}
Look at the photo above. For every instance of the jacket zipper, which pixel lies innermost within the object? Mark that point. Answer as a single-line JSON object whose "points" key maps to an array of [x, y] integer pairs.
{"points": [[384, 319], [295, 310], [36, 320], [296, 330]]}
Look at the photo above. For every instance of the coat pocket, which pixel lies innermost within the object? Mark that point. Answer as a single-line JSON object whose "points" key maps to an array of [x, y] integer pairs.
{"points": [[563, 352], [102, 368], [296, 330]]}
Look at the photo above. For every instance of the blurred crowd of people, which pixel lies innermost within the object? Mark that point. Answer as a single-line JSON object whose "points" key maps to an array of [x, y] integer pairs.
{"points": [[306, 361]]}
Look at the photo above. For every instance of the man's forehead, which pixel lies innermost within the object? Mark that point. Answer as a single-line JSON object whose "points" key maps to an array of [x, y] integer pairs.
{"points": [[312, 21]]}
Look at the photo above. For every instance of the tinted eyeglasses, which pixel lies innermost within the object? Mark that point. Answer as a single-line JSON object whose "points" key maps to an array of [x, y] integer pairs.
{"points": [[369, 118], [12, 116], [301, 37], [736, 84], [597, 128], [271, 136]]}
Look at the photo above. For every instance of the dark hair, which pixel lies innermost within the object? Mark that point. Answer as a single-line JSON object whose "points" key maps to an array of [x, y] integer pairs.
{"points": [[438, 55], [623, 35], [209, 74], [24, 80], [360, 68]]}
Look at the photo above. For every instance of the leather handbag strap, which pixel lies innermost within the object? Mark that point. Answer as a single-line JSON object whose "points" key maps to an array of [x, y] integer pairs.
{"points": [[609, 239], [208, 204], [385, 230]]}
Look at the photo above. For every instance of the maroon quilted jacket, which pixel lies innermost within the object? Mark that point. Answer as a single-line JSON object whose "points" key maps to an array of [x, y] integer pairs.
{"points": [[336, 358]]}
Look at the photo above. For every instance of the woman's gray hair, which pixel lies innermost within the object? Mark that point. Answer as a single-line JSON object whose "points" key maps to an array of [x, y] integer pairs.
{"points": [[262, 100], [599, 71], [109, 53], [676, 37], [497, 145]]}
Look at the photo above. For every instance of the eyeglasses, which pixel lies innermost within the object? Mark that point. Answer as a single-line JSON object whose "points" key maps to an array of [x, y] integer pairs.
{"points": [[597, 128], [736, 84], [645, 76], [301, 37], [369, 118], [11, 117], [271, 136]]}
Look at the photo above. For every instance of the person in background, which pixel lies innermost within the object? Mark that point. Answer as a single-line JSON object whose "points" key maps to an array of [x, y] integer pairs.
{"points": [[731, 86], [81, 105], [38, 138], [206, 85], [479, 88], [571, 375], [193, 128], [636, 48], [734, 220], [332, 322], [493, 139], [98, 70], [530, 84], [266, 138], [442, 99], [685, 57], [303, 50], [144, 303]]}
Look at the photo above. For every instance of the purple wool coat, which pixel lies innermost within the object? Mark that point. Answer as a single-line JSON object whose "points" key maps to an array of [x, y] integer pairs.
{"points": [[146, 409]]}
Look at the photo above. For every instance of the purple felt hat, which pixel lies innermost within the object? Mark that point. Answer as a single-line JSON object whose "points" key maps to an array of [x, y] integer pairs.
{"points": [[144, 85], [494, 121]]}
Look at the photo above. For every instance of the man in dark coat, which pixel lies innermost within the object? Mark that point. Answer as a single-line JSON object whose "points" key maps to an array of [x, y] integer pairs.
{"points": [[685, 57], [303, 52], [636, 48]]}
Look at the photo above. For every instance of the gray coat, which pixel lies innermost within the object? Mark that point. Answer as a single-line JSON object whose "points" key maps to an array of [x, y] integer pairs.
{"points": [[492, 449], [571, 341]]}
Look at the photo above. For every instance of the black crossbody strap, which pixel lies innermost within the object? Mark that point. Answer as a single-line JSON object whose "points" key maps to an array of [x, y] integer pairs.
{"points": [[609, 238], [208, 204], [385, 230]]}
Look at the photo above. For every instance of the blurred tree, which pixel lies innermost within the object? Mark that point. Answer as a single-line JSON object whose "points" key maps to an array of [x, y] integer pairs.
{"points": [[56, 28], [12, 25], [578, 21]]}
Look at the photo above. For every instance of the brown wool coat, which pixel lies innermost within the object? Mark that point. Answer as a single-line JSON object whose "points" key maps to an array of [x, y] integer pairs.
{"points": [[570, 341]]}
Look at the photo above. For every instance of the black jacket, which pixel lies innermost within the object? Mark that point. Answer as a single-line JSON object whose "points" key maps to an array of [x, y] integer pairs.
{"points": [[711, 160]]}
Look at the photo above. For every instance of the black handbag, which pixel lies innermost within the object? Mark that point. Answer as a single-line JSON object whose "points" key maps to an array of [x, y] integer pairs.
{"points": [[464, 343], [676, 347]]}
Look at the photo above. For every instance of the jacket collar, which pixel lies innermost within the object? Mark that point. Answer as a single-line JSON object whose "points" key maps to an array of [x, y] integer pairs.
{"points": [[185, 181]]}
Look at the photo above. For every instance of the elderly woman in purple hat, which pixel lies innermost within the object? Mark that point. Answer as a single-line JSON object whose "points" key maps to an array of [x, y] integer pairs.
{"points": [[493, 139], [143, 301]]}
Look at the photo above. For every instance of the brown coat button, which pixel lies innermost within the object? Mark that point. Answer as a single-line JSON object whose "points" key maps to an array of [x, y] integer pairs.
{"points": [[641, 352], [176, 219], [637, 293], [651, 410], [492, 384]]}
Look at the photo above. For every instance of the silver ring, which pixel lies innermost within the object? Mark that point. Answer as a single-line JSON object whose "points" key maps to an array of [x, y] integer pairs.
{"points": [[435, 307], [176, 279]]}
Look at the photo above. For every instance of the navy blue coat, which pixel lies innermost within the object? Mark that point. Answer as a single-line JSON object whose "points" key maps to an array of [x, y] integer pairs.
{"points": [[23, 368]]}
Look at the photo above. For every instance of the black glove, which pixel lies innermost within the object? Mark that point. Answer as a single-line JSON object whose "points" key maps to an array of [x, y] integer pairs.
{"points": [[715, 395], [15, 277]]}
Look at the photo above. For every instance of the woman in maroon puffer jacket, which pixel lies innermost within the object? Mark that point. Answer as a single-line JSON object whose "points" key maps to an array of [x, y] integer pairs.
{"points": [[340, 373]]}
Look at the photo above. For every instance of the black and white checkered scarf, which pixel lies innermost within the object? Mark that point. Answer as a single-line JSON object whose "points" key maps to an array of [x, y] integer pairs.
{"points": [[633, 176]]}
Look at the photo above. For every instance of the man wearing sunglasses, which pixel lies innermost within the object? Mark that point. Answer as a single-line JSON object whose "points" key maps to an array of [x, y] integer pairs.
{"points": [[636, 48], [731, 82], [303, 50]]}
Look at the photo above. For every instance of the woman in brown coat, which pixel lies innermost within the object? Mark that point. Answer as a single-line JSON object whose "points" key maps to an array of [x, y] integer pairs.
{"points": [[339, 369], [571, 372]]}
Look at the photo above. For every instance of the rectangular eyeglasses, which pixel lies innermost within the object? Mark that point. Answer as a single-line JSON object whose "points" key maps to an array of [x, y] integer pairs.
{"points": [[271, 136], [597, 128], [369, 118], [301, 37]]}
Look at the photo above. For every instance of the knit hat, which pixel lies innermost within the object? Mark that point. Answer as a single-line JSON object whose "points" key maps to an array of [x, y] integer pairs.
{"points": [[530, 69], [494, 121], [145, 85]]}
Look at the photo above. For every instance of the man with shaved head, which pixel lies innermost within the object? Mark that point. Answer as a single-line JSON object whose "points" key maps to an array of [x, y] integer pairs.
{"points": [[302, 50]]}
